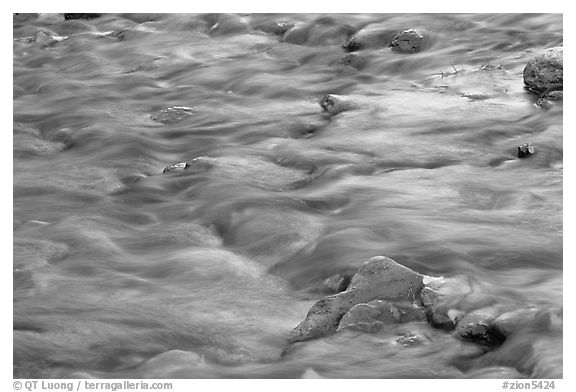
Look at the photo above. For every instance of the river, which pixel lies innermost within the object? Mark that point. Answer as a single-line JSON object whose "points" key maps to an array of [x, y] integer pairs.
{"points": [[123, 271]]}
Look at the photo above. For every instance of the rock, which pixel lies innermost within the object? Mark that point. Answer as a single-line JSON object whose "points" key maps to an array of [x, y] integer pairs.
{"points": [[478, 327], [378, 278], [180, 166], [410, 340], [334, 104], [547, 100], [43, 39], [545, 71], [525, 150], [407, 41], [370, 317], [81, 16], [172, 114], [352, 60]]}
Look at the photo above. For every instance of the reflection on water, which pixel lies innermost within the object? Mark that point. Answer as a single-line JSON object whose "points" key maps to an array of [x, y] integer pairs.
{"points": [[122, 271]]}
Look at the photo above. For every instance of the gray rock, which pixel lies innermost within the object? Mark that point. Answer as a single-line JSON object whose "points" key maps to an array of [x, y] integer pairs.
{"points": [[172, 114], [372, 316], [478, 327], [378, 278], [407, 41], [410, 340], [545, 71]]}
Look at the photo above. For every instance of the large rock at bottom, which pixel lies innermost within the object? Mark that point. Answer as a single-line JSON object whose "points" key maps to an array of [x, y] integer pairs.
{"points": [[378, 278], [545, 71]]}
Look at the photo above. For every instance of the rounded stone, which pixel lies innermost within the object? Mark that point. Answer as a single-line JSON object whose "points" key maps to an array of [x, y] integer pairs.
{"points": [[407, 41], [545, 71]]}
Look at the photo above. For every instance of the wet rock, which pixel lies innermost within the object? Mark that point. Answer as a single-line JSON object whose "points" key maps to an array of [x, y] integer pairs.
{"points": [[172, 114], [478, 327], [81, 16], [334, 104], [177, 167], [545, 71], [378, 278], [410, 340], [352, 60], [437, 315], [407, 41], [370, 317], [525, 150]]}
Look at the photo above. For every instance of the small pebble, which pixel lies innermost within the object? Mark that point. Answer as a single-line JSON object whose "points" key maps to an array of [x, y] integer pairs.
{"points": [[525, 150]]}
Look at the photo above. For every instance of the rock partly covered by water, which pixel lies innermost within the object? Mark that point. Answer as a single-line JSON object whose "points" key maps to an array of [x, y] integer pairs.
{"points": [[545, 71], [378, 278], [407, 41], [384, 292]]}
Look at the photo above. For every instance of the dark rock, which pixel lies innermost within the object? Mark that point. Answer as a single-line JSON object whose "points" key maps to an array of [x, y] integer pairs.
{"points": [[545, 71], [334, 104], [478, 327], [172, 114], [525, 150], [378, 278], [181, 166], [375, 35], [81, 16], [407, 41]]}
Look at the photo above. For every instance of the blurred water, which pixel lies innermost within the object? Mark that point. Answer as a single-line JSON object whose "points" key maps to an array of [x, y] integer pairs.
{"points": [[122, 271]]}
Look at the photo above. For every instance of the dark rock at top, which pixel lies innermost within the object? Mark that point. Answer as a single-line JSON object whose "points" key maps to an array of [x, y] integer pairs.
{"points": [[81, 16], [545, 71]]}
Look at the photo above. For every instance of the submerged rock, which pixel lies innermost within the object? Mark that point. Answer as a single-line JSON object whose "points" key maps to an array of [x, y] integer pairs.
{"points": [[545, 71], [172, 114], [407, 41], [378, 278]]}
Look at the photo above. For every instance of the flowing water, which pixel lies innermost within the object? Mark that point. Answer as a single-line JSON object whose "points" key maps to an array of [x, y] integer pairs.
{"points": [[121, 270]]}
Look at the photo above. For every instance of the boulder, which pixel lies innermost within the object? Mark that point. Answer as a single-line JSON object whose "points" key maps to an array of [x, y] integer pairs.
{"points": [[378, 278], [478, 327], [545, 71], [176, 167], [407, 41]]}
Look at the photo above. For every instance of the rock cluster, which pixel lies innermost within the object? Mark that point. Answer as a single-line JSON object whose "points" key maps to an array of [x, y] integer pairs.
{"points": [[384, 292]]}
